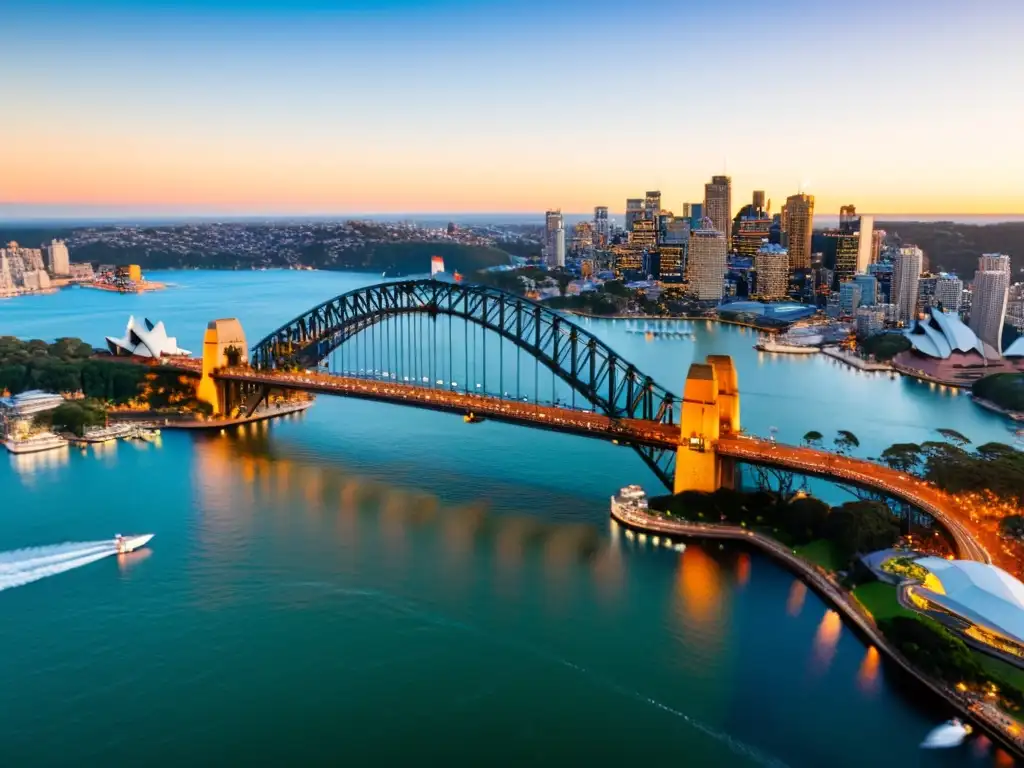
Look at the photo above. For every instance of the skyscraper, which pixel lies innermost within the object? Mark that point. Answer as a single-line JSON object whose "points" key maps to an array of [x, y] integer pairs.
{"points": [[949, 292], [848, 219], [849, 298], [906, 273], [652, 205], [758, 204], [695, 213], [554, 239], [868, 289], [601, 231], [718, 206], [750, 233], [771, 262], [673, 263], [866, 244], [797, 227], [634, 211], [57, 260], [706, 262], [988, 298], [847, 251]]}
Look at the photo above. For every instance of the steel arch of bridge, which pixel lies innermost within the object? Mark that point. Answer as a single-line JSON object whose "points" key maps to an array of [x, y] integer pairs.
{"points": [[613, 386]]}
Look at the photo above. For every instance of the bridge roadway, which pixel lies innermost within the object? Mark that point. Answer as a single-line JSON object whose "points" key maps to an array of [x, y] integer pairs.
{"points": [[867, 474]]}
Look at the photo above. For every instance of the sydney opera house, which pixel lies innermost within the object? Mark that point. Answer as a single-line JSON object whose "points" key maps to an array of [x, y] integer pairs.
{"points": [[983, 602], [945, 349], [145, 341]]}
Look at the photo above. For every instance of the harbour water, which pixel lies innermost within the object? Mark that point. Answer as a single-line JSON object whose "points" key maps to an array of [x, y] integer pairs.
{"points": [[371, 584]]}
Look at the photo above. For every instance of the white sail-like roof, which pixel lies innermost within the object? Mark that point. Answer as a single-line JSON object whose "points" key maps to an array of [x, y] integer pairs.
{"points": [[1016, 349], [941, 334], [145, 341], [983, 594]]}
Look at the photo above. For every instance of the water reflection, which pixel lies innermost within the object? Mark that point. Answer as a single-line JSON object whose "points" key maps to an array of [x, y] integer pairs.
{"points": [[797, 595], [867, 675], [127, 561], [30, 466], [825, 640], [699, 584], [743, 569]]}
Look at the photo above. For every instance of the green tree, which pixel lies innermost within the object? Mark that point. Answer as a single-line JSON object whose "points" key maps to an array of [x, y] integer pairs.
{"points": [[813, 439], [860, 527], [845, 442], [76, 417], [956, 438], [903, 457], [805, 518]]}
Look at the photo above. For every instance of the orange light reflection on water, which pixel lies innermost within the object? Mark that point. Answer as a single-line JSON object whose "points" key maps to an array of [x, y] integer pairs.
{"points": [[797, 595], [699, 583], [867, 675], [826, 639], [743, 569]]}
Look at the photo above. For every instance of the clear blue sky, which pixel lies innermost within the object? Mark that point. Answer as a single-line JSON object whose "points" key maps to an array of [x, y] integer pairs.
{"points": [[318, 107]]}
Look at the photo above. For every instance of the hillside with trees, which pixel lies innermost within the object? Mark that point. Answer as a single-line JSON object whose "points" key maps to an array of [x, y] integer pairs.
{"points": [[950, 247]]}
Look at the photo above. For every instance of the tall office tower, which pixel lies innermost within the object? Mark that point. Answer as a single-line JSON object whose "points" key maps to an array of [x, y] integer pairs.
{"points": [[695, 212], [797, 227], [882, 272], [994, 262], [771, 262], [582, 237], [554, 239], [602, 233], [848, 219], [706, 262], [989, 294], [750, 234], [652, 205], [849, 298], [949, 292], [847, 250], [674, 230], [634, 211], [868, 289], [644, 234], [718, 206], [758, 204], [57, 260], [906, 272], [673, 263], [926, 292], [865, 244]]}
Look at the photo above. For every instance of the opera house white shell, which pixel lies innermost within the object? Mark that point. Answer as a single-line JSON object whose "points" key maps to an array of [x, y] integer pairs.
{"points": [[145, 341], [943, 334], [983, 596]]}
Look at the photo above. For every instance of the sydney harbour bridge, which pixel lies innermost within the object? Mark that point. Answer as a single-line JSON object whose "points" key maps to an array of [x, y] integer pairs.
{"points": [[486, 354]]}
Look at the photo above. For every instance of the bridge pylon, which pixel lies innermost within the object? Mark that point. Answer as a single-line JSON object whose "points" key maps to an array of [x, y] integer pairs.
{"points": [[220, 337], [710, 408]]}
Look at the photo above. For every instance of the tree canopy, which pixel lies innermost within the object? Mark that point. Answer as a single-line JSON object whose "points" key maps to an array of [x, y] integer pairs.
{"points": [[859, 527]]}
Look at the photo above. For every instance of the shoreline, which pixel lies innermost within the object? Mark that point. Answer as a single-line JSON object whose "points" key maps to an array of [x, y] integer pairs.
{"points": [[666, 318], [854, 361], [832, 594], [995, 408]]}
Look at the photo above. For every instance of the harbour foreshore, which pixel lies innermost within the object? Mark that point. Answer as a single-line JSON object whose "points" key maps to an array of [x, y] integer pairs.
{"points": [[666, 318], [840, 599], [854, 361], [165, 422]]}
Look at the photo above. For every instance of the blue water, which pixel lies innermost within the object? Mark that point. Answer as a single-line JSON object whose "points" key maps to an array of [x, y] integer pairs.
{"points": [[370, 584]]}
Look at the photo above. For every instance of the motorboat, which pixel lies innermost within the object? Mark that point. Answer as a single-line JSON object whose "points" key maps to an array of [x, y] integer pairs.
{"points": [[130, 543], [950, 734]]}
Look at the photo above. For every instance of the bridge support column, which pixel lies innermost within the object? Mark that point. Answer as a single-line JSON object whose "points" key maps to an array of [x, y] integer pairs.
{"points": [[221, 335], [710, 408]]}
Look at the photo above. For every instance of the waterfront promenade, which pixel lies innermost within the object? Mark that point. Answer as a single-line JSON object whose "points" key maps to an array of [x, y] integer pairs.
{"points": [[825, 585]]}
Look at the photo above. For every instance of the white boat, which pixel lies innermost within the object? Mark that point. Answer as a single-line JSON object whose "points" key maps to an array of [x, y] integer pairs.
{"points": [[769, 344], [950, 734], [44, 441], [31, 402], [632, 498], [127, 544]]}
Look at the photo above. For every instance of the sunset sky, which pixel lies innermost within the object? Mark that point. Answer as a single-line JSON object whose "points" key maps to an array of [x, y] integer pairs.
{"points": [[317, 107]]}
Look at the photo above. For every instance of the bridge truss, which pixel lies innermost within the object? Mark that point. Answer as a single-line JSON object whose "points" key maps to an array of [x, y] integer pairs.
{"points": [[390, 329]]}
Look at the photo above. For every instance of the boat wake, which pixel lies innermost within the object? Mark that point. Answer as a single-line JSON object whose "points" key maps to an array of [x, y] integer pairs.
{"points": [[23, 566]]}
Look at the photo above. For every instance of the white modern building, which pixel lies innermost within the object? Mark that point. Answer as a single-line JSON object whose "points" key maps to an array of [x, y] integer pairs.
{"points": [[145, 341], [57, 258], [905, 275], [554, 239], [989, 294], [865, 243], [949, 292], [706, 265], [985, 603], [943, 335]]}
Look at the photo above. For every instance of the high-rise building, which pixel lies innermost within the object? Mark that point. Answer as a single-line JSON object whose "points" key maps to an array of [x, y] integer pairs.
{"points": [[634, 211], [870, 320], [750, 234], [602, 233], [926, 292], [652, 205], [906, 273], [628, 261], [554, 239], [57, 260], [582, 237], [949, 292], [848, 219], [718, 206], [674, 230], [797, 228], [989, 294], [771, 262], [673, 263], [865, 244], [847, 248], [644, 234], [706, 262], [849, 298], [695, 212], [757, 203], [868, 289], [882, 272]]}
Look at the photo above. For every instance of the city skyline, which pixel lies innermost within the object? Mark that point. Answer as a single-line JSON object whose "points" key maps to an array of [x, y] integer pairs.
{"points": [[326, 108]]}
